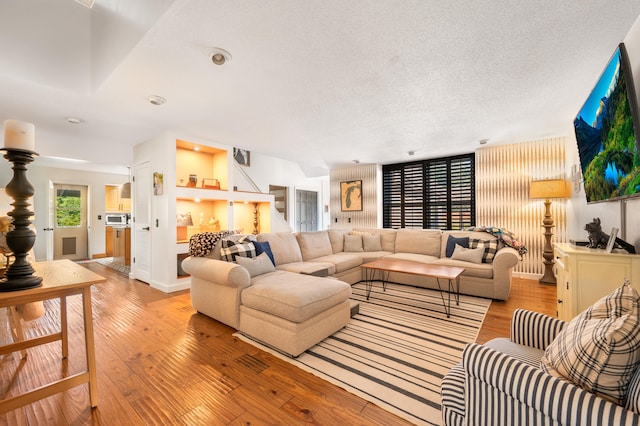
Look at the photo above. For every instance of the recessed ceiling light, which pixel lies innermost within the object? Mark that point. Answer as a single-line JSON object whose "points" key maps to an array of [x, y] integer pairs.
{"points": [[74, 120], [483, 141], [356, 161], [219, 56], [411, 152], [196, 148], [156, 100]]}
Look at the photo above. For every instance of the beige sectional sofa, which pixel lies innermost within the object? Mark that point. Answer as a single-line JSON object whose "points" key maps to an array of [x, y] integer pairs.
{"points": [[305, 298], [331, 249]]}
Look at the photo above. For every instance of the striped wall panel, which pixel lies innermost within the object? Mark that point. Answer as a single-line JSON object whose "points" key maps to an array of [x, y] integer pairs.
{"points": [[503, 174], [371, 186]]}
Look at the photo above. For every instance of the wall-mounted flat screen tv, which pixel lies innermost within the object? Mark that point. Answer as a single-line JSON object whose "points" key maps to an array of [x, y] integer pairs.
{"points": [[606, 131]]}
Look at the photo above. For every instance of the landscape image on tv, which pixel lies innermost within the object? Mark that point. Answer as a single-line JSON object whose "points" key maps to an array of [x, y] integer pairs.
{"points": [[606, 135]]}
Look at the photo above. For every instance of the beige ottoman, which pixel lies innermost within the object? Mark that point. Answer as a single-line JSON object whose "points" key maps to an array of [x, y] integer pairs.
{"points": [[292, 312]]}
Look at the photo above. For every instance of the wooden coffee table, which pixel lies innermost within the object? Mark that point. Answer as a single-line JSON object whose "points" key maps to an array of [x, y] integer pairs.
{"points": [[386, 266]]}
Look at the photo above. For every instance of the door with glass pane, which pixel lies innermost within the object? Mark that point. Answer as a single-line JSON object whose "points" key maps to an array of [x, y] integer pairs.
{"points": [[70, 225]]}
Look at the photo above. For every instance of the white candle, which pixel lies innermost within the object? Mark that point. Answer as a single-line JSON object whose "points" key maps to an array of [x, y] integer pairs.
{"points": [[19, 135]]}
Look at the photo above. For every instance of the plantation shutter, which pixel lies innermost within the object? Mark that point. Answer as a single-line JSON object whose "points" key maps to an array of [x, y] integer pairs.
{"points": [[430, 194]]}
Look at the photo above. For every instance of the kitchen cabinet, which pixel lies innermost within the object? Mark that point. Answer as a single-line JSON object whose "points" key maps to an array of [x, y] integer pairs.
{"points": [[586, 275], [108, 237], [113, 201], [122, 245]]}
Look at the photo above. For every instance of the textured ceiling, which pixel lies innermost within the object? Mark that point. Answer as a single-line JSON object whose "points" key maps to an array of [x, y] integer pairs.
{"points": [[318, 82]]}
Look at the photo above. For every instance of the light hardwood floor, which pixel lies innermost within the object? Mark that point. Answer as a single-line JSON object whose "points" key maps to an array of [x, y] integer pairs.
{"points": [[161, 363]]}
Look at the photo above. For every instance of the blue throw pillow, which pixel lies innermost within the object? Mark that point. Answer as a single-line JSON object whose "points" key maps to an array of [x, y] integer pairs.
{"points": [[266, 248], [451, 244]]}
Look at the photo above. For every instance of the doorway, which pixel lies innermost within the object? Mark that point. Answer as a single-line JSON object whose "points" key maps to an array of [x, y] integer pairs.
{"points": [[306, 211], [70, 230]]}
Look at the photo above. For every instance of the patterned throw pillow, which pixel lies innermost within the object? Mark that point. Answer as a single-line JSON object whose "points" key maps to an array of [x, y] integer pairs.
{"points": [[490, 248], [599, 350], [202, 244], [232, 249]]}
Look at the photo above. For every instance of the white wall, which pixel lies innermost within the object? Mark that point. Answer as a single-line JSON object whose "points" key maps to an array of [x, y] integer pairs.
{"points": [[39, 177], [265, 170], [578, 211]]}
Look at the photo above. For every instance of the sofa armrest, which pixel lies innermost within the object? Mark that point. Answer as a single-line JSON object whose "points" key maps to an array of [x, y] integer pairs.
{"points": [[534, 329], [217, 271], [502, 390], [503, 263]]}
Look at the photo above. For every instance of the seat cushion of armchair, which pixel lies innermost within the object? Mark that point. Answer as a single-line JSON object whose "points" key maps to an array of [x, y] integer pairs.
{"points": [[294, 297]]}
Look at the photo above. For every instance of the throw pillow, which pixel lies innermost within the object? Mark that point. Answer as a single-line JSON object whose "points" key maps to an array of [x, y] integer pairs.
{"points": [[353, 243], [259, 265], [452, 241], [264, 247], [490, 248], [232, 249], [372, 242], [599, 350], [468, 254]]}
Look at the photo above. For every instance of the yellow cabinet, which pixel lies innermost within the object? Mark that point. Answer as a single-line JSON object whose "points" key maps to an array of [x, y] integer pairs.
{"points": [[113, 201], [586, 275]]}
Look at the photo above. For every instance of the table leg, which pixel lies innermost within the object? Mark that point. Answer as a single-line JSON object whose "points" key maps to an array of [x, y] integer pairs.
{"points": [[368, 282], [91, 351], [64, 331], [447, 306], [15, 324]]}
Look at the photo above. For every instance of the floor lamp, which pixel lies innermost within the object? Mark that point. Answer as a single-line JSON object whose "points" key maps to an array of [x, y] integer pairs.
{"points": [[548, 189]]}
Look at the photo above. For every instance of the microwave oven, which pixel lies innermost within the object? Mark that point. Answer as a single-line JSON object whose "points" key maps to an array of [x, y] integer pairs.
{"points": [[117, 219]]}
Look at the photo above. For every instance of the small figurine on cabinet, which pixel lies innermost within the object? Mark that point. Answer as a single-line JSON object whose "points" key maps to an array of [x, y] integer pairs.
{"points": [[193, 181], [597, 237]]}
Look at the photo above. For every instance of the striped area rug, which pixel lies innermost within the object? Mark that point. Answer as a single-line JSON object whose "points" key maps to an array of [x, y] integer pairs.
{"points": [[395, 351]]}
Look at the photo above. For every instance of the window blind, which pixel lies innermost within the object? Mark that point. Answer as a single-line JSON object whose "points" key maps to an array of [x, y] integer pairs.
{"points": [[431, 194]]}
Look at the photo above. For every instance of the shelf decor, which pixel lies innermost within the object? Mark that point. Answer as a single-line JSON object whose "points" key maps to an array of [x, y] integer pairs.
{"points": [[19, 142], [351, 196], [242, 156]]}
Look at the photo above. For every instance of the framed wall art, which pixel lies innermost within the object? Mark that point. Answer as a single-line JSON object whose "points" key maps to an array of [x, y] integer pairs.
{"points": [[242, 156], [351, 196]]}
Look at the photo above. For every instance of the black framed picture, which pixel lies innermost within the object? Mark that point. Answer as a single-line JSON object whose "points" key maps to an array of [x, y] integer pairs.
{"points": [[242, 156]]}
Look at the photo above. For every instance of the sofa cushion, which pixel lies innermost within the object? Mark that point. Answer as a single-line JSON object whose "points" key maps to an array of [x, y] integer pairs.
{"points": [[309, 268], [314, 244], [294, 297], [490, 248], [599, 350], [284, 246], [479, 270], [419, 241], [372, 242], [468, 254], [342, 261], [259, 265], [234, 249], [422, 258], [353, 243], [336, 236], [387, 237], [451, 244]]}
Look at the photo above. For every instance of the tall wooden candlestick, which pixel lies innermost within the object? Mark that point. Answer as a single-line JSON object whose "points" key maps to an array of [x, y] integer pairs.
{"points": [[21, 238]]}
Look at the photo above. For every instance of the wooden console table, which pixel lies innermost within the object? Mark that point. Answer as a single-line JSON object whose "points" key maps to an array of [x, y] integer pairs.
{"points": [[61, 278], [449, 273]]}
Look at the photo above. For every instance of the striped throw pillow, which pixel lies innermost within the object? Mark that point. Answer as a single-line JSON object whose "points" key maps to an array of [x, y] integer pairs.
{"points": [[599, 350]]}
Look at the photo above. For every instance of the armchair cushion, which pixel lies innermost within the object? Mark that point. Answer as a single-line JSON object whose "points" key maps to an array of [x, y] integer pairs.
{"points": [[599, 350]]}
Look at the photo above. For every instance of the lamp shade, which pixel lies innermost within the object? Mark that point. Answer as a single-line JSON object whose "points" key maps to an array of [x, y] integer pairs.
{"points": [[549, 188], [125, 191]]}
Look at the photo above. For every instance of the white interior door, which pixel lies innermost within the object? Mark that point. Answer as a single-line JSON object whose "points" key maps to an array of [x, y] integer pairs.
{"points": [[142, 186]]}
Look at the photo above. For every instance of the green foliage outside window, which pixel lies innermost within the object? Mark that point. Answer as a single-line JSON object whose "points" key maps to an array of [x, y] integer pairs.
{"points": [[68, 209]]}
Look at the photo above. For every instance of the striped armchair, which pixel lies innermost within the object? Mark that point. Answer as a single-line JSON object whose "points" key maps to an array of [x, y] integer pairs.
{"points": [[501, 383]]}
